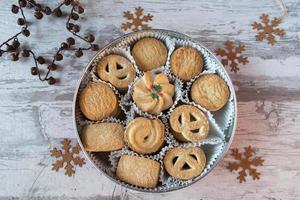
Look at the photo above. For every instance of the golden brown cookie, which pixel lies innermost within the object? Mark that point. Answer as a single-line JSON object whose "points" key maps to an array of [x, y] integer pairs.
{"points": [[153, 93], [98, 101], [185, 163], [210, 91], [188, 123], [102, 137], [117, 70], [186, 63], [149, 53], [138, 171], [145, 135]]}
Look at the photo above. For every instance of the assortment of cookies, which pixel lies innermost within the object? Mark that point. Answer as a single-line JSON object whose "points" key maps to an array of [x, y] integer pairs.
{"points": [[132, 104]]}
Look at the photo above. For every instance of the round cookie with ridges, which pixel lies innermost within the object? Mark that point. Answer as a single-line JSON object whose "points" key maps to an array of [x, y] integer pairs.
{"points": [[117, 70], [210, 91], [153, 93], [185, 163], [103, 137], [98, 101], [139, 171], [149, 53], [188, 123], [145, 135], [186, 63]]}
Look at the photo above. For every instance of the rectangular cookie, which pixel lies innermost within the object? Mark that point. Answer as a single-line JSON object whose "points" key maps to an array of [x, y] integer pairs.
{"points": [[138, 171]]}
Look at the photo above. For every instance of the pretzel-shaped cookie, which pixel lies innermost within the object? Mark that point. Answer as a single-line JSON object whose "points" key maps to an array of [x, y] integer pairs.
{"points": [[117, 70], [185, 163], [189, 123], [145, 135]]}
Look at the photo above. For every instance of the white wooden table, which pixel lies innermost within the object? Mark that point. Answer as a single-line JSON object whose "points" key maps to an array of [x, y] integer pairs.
{"points": [[34, 117]]}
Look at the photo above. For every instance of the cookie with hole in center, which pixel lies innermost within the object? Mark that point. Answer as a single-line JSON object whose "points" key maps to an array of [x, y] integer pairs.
{"points": [[145, 135], [189, 124], [210, 91], [102, 137], [138, 171], [97, 101], [149, 54], [185, 163], [117, 70], [186, 63]]}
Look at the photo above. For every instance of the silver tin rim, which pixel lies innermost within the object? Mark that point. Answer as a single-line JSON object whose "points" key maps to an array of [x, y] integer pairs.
{"points": [[231, 129]]}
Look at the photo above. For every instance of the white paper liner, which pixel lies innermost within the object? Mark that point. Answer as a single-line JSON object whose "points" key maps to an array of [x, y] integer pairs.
{"points": [[214, 143], [214, 136], [224, 116], [212, 153]]}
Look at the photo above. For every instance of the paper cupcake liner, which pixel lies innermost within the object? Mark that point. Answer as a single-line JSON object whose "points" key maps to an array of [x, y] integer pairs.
{"points": [[212, 153], [224, 116]]}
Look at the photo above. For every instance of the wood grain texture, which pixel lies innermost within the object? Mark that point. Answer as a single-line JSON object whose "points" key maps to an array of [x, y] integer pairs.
{"points": [[35, 116]]}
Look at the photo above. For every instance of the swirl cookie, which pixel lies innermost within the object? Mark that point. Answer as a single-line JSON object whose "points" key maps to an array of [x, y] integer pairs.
{"points": [[117, 70], [186, 63], [138, 171], [145, 135], [188, 123], [98, 101], [102, 137], [210, 91], [185, 163], [149, 53], [153, 93]]}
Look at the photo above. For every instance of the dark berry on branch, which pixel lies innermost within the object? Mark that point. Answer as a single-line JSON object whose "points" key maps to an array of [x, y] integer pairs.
{"points": [[34, 71], [74, 16], [67, 2], [79, 9], [70, 26], [76, 28], [38, 15], [51, 80], [58, 57], [47, 10], [10, 48], [14, 9], [71, 41], [95, 47], [40, 60], [25, 53], [21, 21], [78, 53], [57, 12], [14, 56], [16, 44], [1, 52], [23, 3], [64, 45], [52, 67], [38, 7], [26, 32], [90, 38]]}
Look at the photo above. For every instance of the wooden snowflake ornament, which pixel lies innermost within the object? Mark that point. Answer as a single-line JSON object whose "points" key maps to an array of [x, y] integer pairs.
{"points": [[67, 155], [138, 20], [232, 56], [246, 162], [267, 29]]}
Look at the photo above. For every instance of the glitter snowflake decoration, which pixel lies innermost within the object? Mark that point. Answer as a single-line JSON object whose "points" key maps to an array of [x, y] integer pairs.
{"points": [[267, 29], [245, 161], [137, 20], [232, 55], [67, 155]]}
